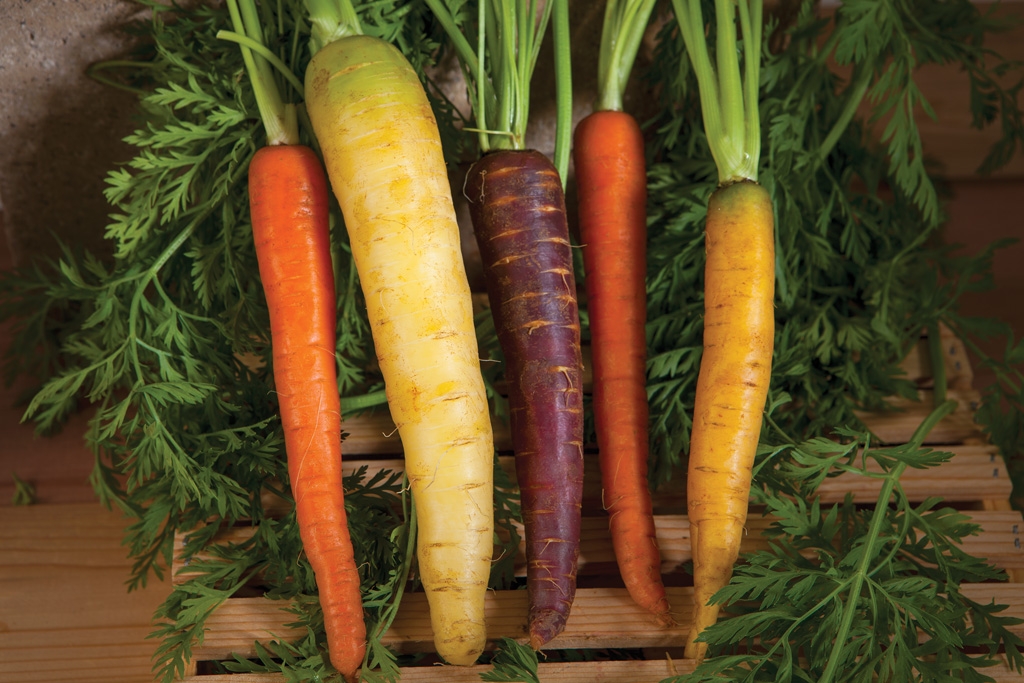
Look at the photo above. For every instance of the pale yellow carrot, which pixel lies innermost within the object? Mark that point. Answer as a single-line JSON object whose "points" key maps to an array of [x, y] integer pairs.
{"points": [[383, 155]]}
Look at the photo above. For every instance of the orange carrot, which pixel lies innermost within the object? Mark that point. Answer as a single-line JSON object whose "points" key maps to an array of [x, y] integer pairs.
{"points": [[288, 204], [288, 198], [611, 181]]}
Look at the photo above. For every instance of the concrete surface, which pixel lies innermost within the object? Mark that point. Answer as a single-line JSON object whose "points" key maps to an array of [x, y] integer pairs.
{"points": [[60, 131]]}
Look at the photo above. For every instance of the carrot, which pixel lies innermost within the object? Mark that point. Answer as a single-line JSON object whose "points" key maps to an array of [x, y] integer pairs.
{"points": [[517, 207], [739, 289], [288, 198], [732, 386], [612, 191], [611, 181], [383, 155], [288, 203], [518, 211]]}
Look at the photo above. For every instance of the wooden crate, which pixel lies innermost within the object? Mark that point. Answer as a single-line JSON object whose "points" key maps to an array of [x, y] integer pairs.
{"points": [[603, 616]]}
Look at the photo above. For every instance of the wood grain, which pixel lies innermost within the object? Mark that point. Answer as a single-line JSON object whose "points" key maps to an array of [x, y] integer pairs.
{"points": [[65, 611]]}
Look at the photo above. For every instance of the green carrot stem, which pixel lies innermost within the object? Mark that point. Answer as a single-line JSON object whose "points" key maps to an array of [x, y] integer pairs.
{"points": [[855, 95], [94, 71], [330, 21], [730, 82], [729, 99], [266, 54], [563, 89], [473, 66], [874, 534], [500, 67], [279, 119], [510, 95], [374, 398], [459, 41], [480, 74], [625, 22], [402, 579], [751, 23]]}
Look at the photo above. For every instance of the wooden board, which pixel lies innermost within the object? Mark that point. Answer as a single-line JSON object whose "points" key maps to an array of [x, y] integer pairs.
{"points": [[604, 618], [65, 612]]}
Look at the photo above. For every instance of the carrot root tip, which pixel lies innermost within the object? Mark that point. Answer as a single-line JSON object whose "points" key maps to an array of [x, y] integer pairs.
{"points": [[545, 625]]}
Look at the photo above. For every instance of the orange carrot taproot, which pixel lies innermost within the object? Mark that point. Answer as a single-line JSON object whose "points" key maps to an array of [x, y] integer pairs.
{"points": [[288, 205], [288, 198], [611, 182]]}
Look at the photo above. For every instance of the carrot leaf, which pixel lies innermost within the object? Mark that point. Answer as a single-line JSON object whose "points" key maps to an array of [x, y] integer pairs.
{"points": [[882, 575], [513, 661], [24, 492]]}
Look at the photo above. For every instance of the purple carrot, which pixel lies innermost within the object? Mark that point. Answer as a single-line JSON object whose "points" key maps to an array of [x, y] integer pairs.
{"points": [[518, 211]]}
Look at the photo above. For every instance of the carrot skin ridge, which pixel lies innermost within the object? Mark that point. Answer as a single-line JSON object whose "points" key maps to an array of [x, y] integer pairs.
{"points": [[288, 203], [517, 208], [611, 180], [383, 155], [732, 386]]}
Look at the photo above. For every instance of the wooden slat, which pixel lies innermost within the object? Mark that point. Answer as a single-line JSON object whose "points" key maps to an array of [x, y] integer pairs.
{"points": [[602, 618], [374, 433], [898, 425], [65, 610], [975, 472], [618, 671]]}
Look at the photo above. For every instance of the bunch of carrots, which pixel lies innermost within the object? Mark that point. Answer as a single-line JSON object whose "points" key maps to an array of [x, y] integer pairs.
{"points": [[379, 143]]}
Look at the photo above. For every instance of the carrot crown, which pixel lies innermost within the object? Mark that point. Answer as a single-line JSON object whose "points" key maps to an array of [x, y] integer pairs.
{"points": [[279, 119], [728, 99], [621, 33], [331, 20]]}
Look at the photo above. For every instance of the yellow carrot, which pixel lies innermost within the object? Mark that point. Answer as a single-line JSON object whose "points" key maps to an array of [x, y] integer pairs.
{"points": [[739, 291], [739, 324], [383, 155]]}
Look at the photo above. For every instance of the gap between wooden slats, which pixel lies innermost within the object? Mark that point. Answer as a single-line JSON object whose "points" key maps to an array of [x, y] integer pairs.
{"points": [[999, 542], [373, 433]]}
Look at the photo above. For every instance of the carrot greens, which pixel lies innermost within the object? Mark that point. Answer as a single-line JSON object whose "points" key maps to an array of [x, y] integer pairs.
{"points": [[880, 576], [858, 269], [861, 274], [166, 339]]}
